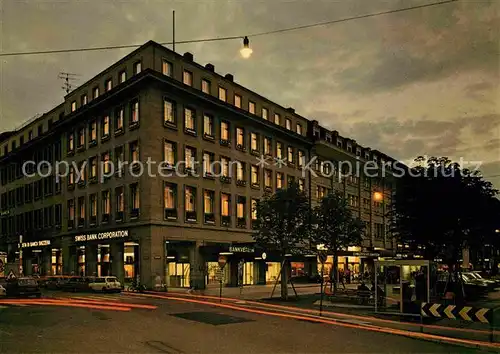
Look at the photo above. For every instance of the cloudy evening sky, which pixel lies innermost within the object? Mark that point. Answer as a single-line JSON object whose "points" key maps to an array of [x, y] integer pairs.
{"points": [[424, 82]]}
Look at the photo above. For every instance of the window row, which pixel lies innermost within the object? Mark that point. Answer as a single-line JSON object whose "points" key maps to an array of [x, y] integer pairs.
{"points": [[30, 192], [108, 86], [251, 107], [238, 208], [78, 140], [104, 207], [39, 219]]}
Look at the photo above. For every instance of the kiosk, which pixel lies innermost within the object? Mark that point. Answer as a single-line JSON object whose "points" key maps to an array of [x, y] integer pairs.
{"points": [[409, 281]]}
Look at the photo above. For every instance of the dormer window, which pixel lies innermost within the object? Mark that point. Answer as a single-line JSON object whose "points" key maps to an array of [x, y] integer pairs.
{"points": [[358, 152], [328, 137], [367, 155], [339, 143], [349, 148]]}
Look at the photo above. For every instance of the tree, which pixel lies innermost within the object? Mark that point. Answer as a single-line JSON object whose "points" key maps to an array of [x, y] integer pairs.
{"points": [[283, 225], [336, 227], [443, 207]]}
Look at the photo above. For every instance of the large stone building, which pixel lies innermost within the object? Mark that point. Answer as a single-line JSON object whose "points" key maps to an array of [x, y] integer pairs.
{"points": [[163, 217]]}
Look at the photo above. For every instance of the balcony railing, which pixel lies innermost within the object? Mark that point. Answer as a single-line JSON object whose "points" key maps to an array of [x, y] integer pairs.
{"points": [[225, 142], [134, 213], [191, 216], [171, 214], [225, 179], [105, 218], [119, 216], [241, 223], [241, 183], [225, 220], [209, 218]]}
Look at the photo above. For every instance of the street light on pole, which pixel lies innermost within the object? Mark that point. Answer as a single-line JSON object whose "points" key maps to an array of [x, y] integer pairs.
{"points": [[377, 196]]}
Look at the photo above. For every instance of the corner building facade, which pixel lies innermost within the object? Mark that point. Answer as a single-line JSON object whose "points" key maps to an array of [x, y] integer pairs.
{"points": [[162, 162]]}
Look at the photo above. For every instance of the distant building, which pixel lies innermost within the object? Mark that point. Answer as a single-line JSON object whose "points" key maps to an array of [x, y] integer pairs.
{"points": [[158, 105]]}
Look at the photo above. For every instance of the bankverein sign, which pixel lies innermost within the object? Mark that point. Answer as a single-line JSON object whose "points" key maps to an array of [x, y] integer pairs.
{"points": [[102, 236], [241, 249]]}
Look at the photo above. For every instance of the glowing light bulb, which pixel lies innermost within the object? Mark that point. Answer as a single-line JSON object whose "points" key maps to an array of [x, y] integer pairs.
{"points": [[246, 51]]}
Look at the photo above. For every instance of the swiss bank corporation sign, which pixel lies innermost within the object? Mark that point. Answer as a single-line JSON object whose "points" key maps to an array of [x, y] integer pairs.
{"points": [[102, 236]]}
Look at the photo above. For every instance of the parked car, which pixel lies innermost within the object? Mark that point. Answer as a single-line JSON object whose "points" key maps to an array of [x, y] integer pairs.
{"points": [[105, 284], [53, 282], [75, 284], [472, 289], [474, 278], [25, 286], [493, 283]]}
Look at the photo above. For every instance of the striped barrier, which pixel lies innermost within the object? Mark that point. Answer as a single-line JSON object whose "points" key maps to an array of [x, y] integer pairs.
{"points": [[453, 312]]}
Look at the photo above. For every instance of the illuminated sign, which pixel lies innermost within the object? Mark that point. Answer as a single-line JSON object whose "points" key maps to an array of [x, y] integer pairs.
{"points": [[102, 236], [366, 254], [241, 249], [35, 244]]}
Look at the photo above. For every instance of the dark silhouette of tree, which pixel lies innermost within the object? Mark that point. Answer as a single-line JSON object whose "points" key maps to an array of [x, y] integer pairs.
{"points": [[283, 225], [442, 207], [336, 227]]}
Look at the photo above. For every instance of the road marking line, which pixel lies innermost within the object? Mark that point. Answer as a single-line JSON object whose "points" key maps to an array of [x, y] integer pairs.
{"points": [[48, 302], [338, 314], [334, 322], [111, 303]]}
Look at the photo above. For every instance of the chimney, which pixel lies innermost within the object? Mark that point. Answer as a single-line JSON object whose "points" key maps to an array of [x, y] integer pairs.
{"points": [[230, 77], [188, 56], [290, 109], [210, 67]]}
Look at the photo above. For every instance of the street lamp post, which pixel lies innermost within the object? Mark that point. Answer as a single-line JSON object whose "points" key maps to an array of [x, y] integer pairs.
{"points": [[20, 255]]}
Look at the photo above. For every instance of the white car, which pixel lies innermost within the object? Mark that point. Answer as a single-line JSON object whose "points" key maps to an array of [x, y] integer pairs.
{"points": [[3, 291], [105, 284]]}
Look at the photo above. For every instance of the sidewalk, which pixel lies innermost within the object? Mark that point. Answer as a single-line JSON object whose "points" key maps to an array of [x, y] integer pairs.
{"points": [[252, 292]]}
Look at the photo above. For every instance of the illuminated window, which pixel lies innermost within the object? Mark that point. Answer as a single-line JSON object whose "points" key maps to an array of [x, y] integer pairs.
{"points": [[237, 100], [299, 129], [255, 174], [251, 107], [225, 204], [169, 149], [240, 207], [279, 150], [169, 196], [190, 198], [190, 157], [108, 85], [240, 171], [267, 146], [189, 119], [208, 159], [265, 113], [119, 117], [105, 126], [93, 205], [205, 86], [95, 92], [168, 111], [122, 76], [279, 180], [301, 184], [277, 119], [254, 142], [93, 131], [288, 124], [120, 202], [290, 153], [134, 112], [208, 202], [224, 161], [301, 159], [208, 126], [240, 137], [93, 167], [73, 106], [166, 67], [268, 178], [224, 131], [134, 196], [187, 78], [106, 203], [137, 68], [81, 137], [222, 94], [71, 142], [134, 151], [254, 209]]}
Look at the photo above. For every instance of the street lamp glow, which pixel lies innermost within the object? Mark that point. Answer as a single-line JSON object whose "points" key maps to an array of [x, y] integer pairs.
{"points": [[377, 196], [246, 51]]}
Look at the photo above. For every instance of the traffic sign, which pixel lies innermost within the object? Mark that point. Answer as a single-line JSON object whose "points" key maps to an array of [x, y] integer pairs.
{"points": [[454, 312], [11, 275], [222, 261]]}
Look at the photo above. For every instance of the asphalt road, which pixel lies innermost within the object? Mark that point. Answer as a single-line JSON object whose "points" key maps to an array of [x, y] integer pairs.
{"points": [[167, 326]]}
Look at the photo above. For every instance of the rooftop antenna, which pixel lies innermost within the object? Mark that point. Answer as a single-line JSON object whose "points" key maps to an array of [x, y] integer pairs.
{"points": [[67, 77]]}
